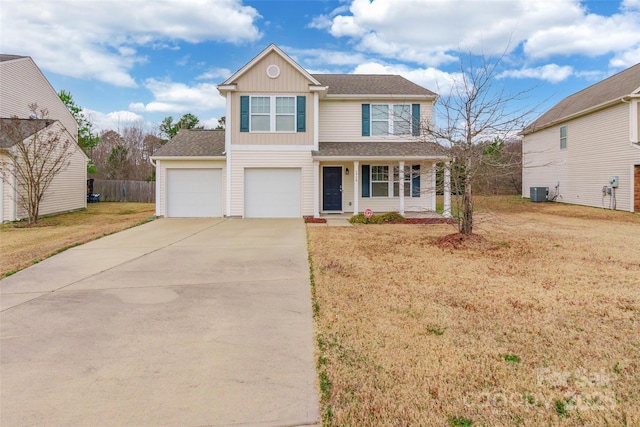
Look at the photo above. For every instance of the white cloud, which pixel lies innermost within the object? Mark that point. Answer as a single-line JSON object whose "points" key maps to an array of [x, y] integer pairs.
{"points": [[591, 36], [551, 72], [114, 120], [433, 32], [211, 123], [179, 98], [626, 59], [431, 78], [215, 73], [98, 39]]}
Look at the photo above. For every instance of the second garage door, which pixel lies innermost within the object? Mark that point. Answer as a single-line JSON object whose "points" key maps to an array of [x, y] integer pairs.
{"points": [[194, 193], [272, 193]]}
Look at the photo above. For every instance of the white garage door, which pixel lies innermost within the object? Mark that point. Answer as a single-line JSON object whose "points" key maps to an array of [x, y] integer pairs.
{"points": [[272, 193], [194, 193]]}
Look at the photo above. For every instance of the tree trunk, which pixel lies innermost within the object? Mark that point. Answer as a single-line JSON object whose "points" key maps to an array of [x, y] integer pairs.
{"points": [[466, 222]]}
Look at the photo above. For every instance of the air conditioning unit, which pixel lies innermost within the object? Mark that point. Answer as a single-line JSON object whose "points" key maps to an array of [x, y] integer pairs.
{"points": [[539, 194]]}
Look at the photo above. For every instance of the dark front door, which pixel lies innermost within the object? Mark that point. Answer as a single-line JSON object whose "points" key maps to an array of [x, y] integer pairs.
{"points": [[332, 188]]}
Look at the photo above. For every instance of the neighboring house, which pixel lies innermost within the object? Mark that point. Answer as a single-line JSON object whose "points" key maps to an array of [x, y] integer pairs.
{"points": [[21, 84], [586, 148], [300, 144]]}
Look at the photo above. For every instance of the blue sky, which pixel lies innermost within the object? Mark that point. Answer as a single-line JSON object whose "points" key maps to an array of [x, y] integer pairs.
{"points": [[143, 60]]}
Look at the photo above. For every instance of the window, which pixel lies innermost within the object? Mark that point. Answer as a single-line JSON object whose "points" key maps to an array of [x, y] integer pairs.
{"points": [[563, 137], [390, 119], [407, 181], [380, 181], [273, 114], [260, 114]]}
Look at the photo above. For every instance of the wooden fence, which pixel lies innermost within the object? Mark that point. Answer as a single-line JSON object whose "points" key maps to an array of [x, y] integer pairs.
{"points": [[125, 191]]}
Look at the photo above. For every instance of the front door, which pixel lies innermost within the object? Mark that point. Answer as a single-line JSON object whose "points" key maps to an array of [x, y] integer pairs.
{"points": [[332, 188]]}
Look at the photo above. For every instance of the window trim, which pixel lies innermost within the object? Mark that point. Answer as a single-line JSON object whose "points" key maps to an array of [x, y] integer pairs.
{"points": [[408, 180], [273, 114], [563, 139], [372, 181], [390, 119]]}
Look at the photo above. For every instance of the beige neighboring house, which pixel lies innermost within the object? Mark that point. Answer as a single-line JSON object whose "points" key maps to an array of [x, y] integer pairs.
{"points": [[586, 148], [299, 144], [22, 83]]}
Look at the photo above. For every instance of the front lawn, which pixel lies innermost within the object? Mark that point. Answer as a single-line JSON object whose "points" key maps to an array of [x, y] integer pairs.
{"points": [[537, 324], [21, 246]]}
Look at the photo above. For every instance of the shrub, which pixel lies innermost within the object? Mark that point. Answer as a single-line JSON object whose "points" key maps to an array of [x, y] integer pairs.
{"points": [[376, 219]]}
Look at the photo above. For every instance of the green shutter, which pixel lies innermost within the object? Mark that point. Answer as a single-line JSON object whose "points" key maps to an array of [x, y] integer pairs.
{"points": [[301, 114], [415, 119], [244, 114], [364, 178], [415, 181], [366, 121]]}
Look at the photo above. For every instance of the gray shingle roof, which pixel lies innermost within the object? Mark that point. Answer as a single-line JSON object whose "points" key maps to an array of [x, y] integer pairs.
{"points": [[378, 149], [11, 130], [194, 142], [370, 84], [610, 89], [4, 57]]}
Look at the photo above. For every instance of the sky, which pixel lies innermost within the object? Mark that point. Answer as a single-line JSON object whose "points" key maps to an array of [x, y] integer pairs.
{"points": [[139, 61]]}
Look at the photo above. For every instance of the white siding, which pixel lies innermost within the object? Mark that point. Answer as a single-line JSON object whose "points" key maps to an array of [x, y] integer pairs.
{"points": [[22, 83], [598, 147], [161, 178], [382, 204], [270, 159], [341, 120]]}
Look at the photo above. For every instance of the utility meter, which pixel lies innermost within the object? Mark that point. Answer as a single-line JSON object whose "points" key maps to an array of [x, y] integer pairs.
{"points": [[613, 181]]}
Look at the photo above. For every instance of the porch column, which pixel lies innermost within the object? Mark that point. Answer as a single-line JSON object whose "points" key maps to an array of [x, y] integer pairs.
{"points": [[447, 191], [401, 186], [316, 189], [356, 186], [434, 185]]}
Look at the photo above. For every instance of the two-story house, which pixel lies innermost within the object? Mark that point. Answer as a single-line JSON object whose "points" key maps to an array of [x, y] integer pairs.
{"points": [[21, 84], [586, 148], [300, 144]]}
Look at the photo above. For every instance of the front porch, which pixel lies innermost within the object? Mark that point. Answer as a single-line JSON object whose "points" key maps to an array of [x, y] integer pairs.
{"points": [[407, 186]]}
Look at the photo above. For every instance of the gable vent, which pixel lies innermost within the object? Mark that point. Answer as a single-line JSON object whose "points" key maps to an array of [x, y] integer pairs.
{"points": [[273, 71]]}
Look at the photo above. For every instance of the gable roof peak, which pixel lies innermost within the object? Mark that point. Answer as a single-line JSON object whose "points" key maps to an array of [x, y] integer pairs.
{"points": [[266, 51]]}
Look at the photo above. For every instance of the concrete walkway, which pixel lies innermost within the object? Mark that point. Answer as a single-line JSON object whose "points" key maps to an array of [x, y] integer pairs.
{"points": [[176, 322]]}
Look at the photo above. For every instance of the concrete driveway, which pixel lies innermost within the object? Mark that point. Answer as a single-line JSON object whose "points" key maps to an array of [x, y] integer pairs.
{"points": [[176, 322]]}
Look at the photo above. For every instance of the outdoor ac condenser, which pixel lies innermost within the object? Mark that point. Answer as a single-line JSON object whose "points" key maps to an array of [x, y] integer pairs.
{"points": [[539, 194]]}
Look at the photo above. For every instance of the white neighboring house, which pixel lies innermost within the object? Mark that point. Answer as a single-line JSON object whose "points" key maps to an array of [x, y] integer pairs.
{"points": [[299, 144], [586, 148], [21, 84]]}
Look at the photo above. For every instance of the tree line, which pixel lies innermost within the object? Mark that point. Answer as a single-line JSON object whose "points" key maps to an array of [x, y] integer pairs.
{"points": [[124, 153]]}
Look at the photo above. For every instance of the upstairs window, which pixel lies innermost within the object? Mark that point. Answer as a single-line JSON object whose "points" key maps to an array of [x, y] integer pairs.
{"points": [[563, 138], [272, 114], [390, 119]]}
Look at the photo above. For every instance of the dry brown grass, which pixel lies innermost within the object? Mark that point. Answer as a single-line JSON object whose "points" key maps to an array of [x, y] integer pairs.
{"points": [[22, 246], [540, 328]]}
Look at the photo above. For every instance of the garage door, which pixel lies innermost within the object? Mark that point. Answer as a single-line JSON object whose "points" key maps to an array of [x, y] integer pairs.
{"points": [[194, 193], [272, 193]]}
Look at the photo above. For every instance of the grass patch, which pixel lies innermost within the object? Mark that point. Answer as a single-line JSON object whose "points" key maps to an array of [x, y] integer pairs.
{"points": [[23, 246], [561, 302], [459, 421], [511, 358], [376, 219]]}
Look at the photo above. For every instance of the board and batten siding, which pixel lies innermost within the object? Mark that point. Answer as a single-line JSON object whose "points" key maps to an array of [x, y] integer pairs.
{"points": [[598, 148], [255, 81], [341, 120], [270, 159], [161, 178], [22, 83]]}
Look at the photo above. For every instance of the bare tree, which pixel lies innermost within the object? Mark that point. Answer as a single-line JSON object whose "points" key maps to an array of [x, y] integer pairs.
{"points": [[475, 110], [34, 151]]}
